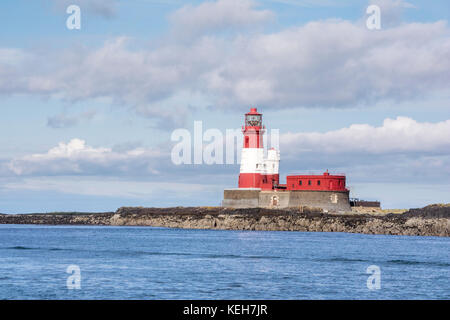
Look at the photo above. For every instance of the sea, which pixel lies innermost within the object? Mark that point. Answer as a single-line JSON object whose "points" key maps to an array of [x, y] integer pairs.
{"points": [[106, 262]]}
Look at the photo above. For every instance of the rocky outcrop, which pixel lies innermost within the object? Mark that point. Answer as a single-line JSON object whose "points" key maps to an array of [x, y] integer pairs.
{"points": [[431, 211], [413, 222]]}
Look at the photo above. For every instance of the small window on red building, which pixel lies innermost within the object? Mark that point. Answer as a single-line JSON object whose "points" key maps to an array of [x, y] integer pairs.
{"points": [[299, 182], [309, 182], [318, 182]]}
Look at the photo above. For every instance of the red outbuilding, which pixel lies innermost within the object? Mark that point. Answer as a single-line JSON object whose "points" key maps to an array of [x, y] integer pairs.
{"points": [[324, 182]]}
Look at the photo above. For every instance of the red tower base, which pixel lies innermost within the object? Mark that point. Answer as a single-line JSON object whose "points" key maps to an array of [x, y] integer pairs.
{"points": [[257, 180], [250, 180]]}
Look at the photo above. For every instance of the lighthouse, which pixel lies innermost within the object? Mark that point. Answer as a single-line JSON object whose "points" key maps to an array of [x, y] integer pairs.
{"points": [[256, 170], [259, 180]]}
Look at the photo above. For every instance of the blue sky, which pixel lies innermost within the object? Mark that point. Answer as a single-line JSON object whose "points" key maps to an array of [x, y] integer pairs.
{"points": [[87, 115]]}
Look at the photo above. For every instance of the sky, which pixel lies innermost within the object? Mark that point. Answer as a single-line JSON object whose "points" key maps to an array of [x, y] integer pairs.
{"points": [[87, 115]]}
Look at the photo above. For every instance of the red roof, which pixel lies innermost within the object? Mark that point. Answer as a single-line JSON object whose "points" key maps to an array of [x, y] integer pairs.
{"points": [[253, 111]]}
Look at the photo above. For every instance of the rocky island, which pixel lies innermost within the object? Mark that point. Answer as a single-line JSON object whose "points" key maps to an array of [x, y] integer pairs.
{"points": [[433, 220]]}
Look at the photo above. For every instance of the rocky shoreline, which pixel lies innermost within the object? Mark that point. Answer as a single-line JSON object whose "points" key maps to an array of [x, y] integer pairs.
{"points": [[432, 220]]}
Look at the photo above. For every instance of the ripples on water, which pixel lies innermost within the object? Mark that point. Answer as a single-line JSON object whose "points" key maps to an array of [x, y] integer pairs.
{"points": [[159, 263]]}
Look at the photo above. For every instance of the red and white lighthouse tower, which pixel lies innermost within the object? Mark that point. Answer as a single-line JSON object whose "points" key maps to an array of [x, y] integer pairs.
{"points": [[256, 171], [259, 180]]}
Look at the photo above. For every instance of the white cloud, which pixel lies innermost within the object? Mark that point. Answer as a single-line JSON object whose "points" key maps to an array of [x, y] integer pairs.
{"points": [[11, 56], [326, 64], [400, 150], [398, 135], [76, 157], [316, 65], [210, 17], [138, 79]]}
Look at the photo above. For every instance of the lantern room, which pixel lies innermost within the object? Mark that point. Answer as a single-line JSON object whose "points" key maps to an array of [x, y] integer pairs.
{"points": [[253, 118], [253, 130]]}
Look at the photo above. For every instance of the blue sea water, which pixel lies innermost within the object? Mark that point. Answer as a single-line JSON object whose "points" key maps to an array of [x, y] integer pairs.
{"points": [[161, 263]]}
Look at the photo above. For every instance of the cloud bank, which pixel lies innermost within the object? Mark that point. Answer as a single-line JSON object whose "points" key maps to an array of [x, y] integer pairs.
{"points": [[78, 158], [400, 135], [395, 143], [219, 16], [326, 64]]}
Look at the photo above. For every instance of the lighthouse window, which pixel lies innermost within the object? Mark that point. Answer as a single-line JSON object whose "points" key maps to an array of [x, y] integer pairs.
{"points": [[300, 182], [253, 120], [318, 182], [309, 182]]}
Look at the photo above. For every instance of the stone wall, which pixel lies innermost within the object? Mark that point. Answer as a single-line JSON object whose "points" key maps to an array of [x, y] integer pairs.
{"points": [[337, 201], [327, 200], [244, 198], [274, 199]]}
